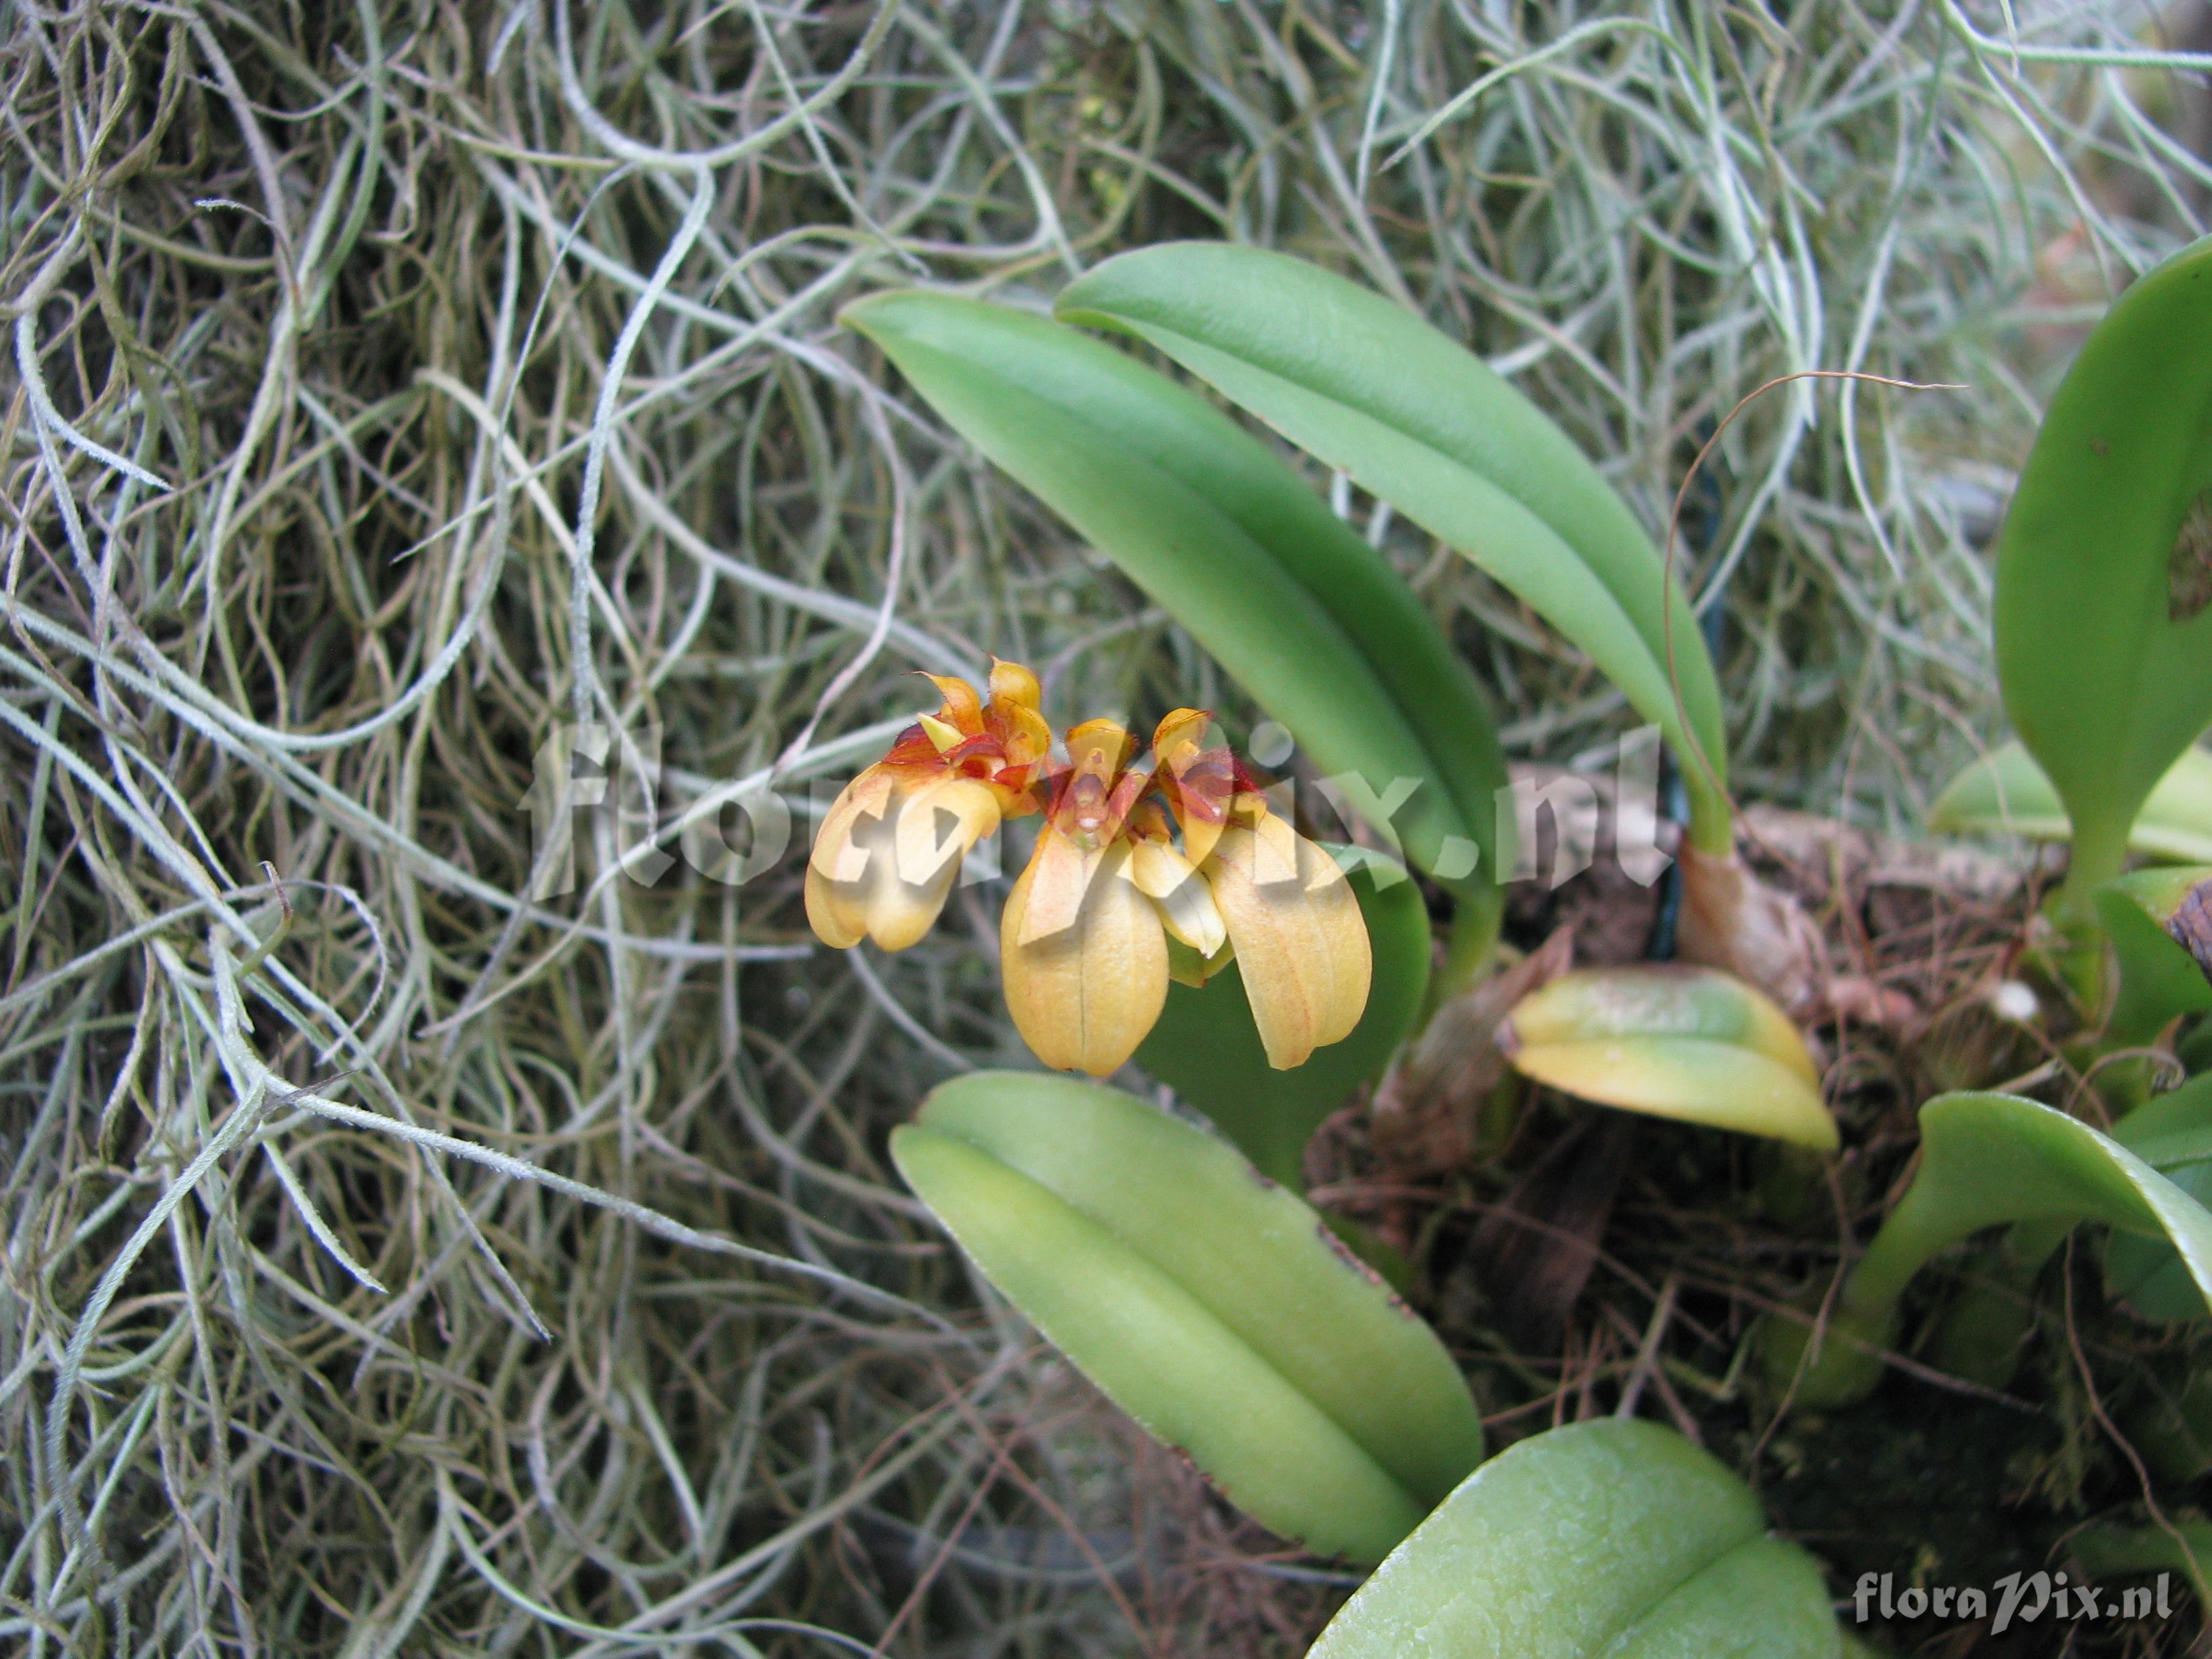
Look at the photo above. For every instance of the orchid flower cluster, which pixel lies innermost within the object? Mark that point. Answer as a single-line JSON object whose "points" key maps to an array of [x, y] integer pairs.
{"points": [[1111, 906]]}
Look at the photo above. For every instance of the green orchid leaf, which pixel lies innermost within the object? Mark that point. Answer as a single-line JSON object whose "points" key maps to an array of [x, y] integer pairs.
{"points": [[1672, 1041], [1208, 1303], [2173, 1135], [2172, 1130], [1218, 529], [1613, 1538], [1377, 1252], [2160, 980], [2006, 793], [1412, 416], [2104, 634], [1206, 1049], [2119, 1552], [1984, 1158]]}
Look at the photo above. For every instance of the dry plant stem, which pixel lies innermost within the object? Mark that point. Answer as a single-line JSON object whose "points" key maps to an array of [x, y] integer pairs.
{"points": [[1730, 918]]}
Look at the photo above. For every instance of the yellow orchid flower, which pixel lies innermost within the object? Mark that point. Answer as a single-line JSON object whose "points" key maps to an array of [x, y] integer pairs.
{"points": [[1084, 939], [890, 849], [1080, 945], [1110, 907]]}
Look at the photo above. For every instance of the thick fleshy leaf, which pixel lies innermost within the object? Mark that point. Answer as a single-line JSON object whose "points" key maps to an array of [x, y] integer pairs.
{"points": [[1218, 529], [2006, 793], [1984, 1158], [1415, 418], [1613, 1538], [1675, 1041], [1208, 1048], [2104, 632], [1209, 1304], [2173, 1135], [2159, 979]]}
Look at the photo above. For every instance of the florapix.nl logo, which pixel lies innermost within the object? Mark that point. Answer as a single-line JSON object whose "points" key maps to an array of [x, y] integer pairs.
{"points": [[2018, 1598], [601, 795]]}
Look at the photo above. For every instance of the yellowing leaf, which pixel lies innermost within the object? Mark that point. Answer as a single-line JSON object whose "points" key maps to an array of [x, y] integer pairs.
{"points": [[1674, 1041]]}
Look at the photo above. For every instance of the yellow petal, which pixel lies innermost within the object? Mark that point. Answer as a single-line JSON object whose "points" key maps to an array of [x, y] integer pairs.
{"points": [[1203, 780], [846, 839], [1026, 735], [840, 918], [1186, 901], [1299, 937], [900, 913], [1334, 908], [1011, 683], [1015, 693], [1083, 997], [962, 706], [1084, 804], [1181, 734], [1201, 836], [937, 822], [1052, 887], [1099, 749], [888, 851]]}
